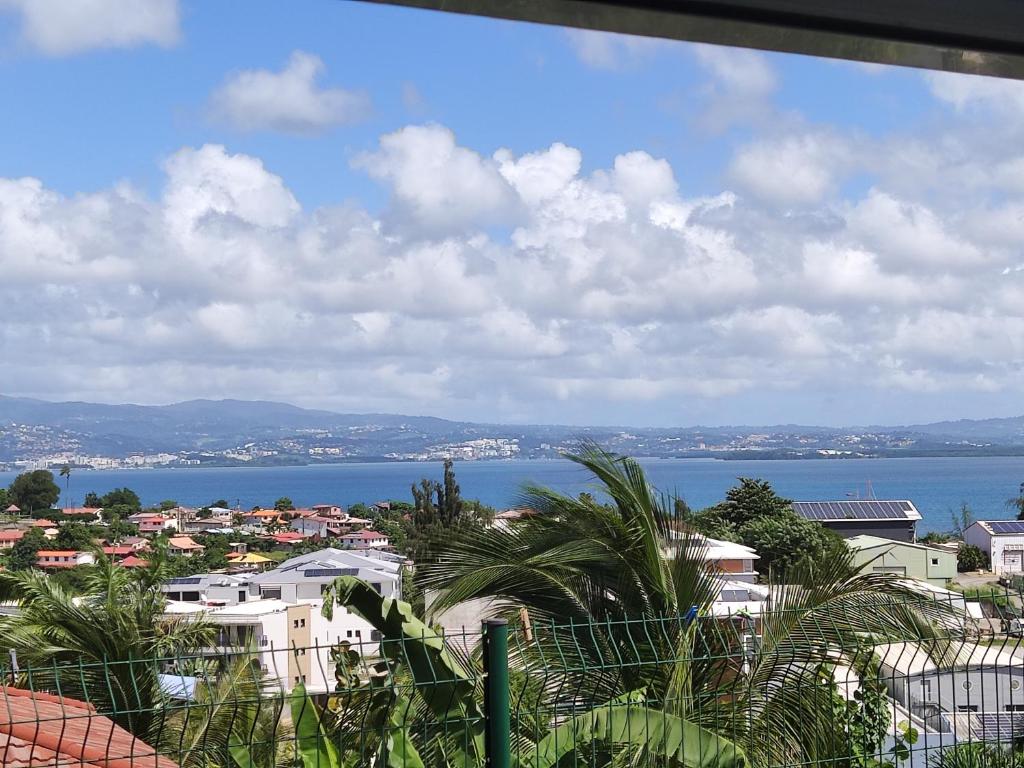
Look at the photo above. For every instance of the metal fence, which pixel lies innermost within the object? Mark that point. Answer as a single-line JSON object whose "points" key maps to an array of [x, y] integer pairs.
{"points": [[932, 685]]}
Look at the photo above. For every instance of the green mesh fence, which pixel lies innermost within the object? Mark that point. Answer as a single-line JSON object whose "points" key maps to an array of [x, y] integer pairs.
{"points": [[908, 681]]}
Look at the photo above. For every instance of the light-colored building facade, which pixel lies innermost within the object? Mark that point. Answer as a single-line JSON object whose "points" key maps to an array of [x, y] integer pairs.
{"points": [[1002, 541], [874, 554], [299, 581]]}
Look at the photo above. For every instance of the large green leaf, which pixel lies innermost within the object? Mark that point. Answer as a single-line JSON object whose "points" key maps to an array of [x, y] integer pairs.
{"points": [[626, 722], [313, 744], [441, 682]]}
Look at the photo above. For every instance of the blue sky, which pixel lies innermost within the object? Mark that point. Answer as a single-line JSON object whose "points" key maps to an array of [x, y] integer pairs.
{"points": [[360, 207]]}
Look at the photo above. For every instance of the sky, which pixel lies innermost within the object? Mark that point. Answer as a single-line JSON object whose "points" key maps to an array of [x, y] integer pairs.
{"points": [[374, 209]]}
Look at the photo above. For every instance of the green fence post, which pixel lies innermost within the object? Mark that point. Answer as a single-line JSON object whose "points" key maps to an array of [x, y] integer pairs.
{"points": [[496, 694]]}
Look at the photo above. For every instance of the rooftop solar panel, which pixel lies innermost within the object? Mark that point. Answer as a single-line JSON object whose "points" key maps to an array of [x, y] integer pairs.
{"points": [[1007, 526], [317, 572], [185, 580], [868, 509]]}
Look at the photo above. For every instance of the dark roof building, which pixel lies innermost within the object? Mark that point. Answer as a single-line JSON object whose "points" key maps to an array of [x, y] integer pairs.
{"points": [[896, 520]]}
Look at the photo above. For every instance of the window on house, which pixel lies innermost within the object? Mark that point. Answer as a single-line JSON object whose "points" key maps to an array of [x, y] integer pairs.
{"points": [[967, 708], [295, 624], [935, 561], [190, 597], [359, 633], [302, 622], [348, 633], [1014, 708], [270, 593], [302, 651]]}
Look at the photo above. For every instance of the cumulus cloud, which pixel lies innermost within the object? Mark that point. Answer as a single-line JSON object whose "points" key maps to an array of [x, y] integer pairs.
{"points": [[289, 101], [793, 170], [605, 291], [65, 27]]}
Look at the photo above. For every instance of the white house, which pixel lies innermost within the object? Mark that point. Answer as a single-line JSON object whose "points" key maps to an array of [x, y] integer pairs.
{"points": [[1002, 541], [299, 581], [364, 539], [63, 558]]}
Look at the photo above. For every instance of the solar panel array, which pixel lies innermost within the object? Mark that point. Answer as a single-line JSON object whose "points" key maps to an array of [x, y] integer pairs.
{"points": [[1007, 526], [856, 510], [314, 572], [184, 580]]}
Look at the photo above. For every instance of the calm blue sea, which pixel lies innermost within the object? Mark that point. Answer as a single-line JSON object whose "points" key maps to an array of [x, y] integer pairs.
{"points": [[936, 485]]}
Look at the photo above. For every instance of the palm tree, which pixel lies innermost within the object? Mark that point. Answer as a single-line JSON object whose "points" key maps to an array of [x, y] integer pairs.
{"points": [[608, 589], [65, 472], [234, 717], [104, 646]]}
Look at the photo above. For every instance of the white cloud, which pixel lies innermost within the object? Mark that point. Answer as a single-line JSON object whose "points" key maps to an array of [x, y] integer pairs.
{"points": [[793, 170], [290, 101], [65, 27], [609, 292], [609, 50], [739, 89], [973, 91], [436, 182]]}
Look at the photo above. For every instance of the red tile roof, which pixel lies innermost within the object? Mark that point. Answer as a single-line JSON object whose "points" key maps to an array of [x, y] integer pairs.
{"points": [[365, 535], [39, 729], [57, 552], [44, 523], [133, 562], [11, 535], [118, 551]]}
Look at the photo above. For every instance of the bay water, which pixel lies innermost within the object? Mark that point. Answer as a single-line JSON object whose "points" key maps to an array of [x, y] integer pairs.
{"points": [[938, 486]]}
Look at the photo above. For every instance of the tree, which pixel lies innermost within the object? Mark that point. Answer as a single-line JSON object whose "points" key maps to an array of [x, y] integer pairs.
{"points": [[1017, 502], [25, 552], [122, 497], [74, 535], [283, 504], [204, 513], [65, 472], [970, 558], [34, 490], [424, 511], [784, 541], [167, 504], [220, 504], [962, 519], [92, 500], [750, 500], [596, 570], [755, 515], [99, 638], [449, 500], [120, 529]]}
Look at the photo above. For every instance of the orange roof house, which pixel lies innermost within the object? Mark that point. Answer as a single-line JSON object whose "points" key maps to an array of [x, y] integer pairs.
{"points": [[40, 729]]}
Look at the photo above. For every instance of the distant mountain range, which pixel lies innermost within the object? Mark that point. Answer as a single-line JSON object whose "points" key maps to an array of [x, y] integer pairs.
{"points": [[237, 431]]}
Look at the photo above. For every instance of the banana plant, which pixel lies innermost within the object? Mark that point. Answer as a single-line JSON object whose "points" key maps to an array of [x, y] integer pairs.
{"points": [[445, 692]]}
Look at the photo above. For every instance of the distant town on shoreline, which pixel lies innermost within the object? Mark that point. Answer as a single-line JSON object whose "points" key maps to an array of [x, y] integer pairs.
{"points": [[39, 434]]}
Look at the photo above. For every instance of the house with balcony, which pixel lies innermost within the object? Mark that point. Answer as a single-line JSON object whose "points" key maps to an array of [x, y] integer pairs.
{"points": [[48, 559], [185, 546], [11, 537], [153, 522], [300, 581], [364, 539]]}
